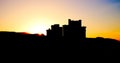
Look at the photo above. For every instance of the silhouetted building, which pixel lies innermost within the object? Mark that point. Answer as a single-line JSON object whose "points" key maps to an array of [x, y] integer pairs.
{"points": [[74, 30], [55, 31]]}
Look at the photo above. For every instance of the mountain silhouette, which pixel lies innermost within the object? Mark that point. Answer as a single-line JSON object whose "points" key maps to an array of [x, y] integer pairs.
{"points": [[66, 38]]}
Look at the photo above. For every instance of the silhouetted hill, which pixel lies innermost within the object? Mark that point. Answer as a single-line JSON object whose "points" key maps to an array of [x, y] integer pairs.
{"points": [[67, 39], [10, 39], [87, 47]]}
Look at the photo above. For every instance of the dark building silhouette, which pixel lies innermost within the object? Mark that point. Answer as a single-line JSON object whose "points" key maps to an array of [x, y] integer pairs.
{"points": [[55, 31], [74, 30]]}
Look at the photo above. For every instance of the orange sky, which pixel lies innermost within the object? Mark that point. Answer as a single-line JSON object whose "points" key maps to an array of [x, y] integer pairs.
{"points": [[102, 17]]}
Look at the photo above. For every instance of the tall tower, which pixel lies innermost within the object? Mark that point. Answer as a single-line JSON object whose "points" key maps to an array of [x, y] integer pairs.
{"points": [[74, 30]]}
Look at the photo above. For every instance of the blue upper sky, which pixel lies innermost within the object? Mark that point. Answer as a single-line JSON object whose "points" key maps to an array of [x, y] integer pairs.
{"points": [[114, 1]]}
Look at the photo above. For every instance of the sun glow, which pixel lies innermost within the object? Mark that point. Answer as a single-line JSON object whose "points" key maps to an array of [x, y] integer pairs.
{"points": [[37, 30], [37, 25]]}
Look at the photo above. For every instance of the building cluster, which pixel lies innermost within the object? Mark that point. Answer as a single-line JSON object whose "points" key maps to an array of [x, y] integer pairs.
{"points": [[74, 29]]}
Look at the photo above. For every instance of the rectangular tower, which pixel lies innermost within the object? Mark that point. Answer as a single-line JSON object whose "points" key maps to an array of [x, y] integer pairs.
{"points": [[74, 30]]}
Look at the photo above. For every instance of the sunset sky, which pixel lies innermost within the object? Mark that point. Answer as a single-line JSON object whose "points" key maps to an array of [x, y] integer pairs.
{"points": [[102, 17]]}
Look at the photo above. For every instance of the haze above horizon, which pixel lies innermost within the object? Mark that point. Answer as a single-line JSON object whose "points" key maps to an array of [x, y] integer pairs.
{"points": [[102, 17]]}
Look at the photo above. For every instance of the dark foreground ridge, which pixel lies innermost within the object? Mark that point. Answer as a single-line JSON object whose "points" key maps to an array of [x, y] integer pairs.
{"points": [[68, 37]]}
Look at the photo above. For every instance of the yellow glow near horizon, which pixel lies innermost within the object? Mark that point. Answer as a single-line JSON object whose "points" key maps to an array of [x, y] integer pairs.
{"points": [[37, 30], [36, 16], [37, 26]]}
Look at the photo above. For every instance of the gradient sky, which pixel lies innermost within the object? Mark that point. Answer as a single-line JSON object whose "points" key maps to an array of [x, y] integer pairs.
{"points": [[102, 17]]}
